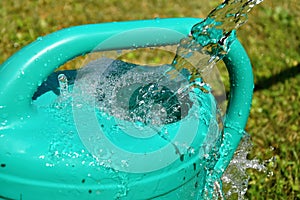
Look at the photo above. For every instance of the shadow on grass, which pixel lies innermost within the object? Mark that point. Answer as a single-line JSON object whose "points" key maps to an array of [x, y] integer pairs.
{"points": [[265, 83]]}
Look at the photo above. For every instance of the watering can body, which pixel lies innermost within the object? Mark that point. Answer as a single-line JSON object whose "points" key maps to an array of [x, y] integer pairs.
{"points": [[42, 155]]}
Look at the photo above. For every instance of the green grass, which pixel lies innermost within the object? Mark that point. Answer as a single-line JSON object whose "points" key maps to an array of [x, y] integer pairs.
{"points": [[271, 38]]}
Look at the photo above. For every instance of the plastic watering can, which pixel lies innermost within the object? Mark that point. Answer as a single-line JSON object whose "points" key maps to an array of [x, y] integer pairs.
{"points": [[29, 131]]}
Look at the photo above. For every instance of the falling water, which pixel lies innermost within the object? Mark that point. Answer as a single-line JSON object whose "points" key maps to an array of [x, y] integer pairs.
{"points": [[213, 35]]}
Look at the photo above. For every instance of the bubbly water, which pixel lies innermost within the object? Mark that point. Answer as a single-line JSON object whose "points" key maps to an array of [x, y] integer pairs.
{"points": [[135, 93], [152, 99]]}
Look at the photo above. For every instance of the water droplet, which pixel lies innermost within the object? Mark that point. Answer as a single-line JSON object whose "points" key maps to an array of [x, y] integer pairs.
{"points": [[3, 123], [240, 113], [124, 163], [63, 84], [39, 39], [49, 165]]}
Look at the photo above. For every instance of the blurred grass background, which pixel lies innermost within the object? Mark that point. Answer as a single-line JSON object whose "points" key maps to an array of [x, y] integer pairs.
{"points": [[271, 38]]}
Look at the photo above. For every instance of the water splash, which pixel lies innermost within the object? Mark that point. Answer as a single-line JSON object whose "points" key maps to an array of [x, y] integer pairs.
{"points": [[135, 93], [235, 179]]}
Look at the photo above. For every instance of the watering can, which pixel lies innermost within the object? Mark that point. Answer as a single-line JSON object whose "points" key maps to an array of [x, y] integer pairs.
{"points": [[32, 137]]}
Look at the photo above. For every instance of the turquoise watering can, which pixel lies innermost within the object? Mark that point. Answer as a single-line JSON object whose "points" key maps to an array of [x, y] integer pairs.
{"points": [[43, 154]]}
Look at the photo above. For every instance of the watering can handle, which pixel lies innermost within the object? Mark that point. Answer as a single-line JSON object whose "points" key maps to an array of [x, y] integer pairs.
{"points": [[21, 74]]}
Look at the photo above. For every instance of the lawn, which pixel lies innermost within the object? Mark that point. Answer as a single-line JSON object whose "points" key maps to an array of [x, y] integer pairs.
{"points": [[271, 38]]}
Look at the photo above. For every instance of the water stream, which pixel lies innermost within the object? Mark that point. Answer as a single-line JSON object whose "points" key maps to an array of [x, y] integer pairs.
{"points": [[212, 36]]}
